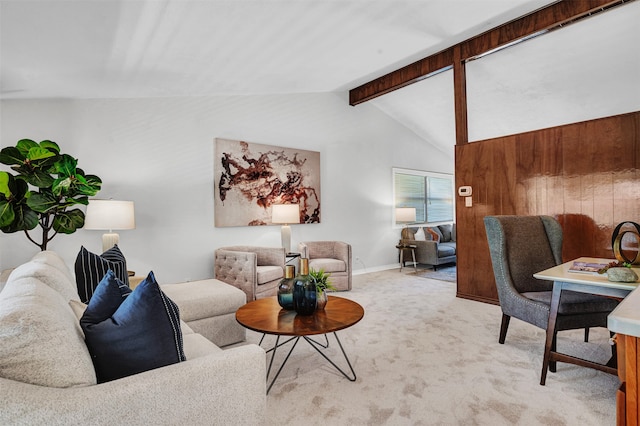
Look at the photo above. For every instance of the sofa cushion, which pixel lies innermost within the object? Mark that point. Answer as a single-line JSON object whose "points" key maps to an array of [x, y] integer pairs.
{"points": [[91, 268], [328, 265], [420, 235], [433, 234], [131, 332], [446, 249], [53, 259], [196, 345], [445, 230], [42, 343], [47, 274], [268, 273], [454, 233], [204, 298]]}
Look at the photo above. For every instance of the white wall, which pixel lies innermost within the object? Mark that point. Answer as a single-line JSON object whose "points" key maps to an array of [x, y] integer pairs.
{"points": [[159, 153]]}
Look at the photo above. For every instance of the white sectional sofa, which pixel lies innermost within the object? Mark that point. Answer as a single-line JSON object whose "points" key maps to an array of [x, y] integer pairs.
{"points": [[47, 376]]}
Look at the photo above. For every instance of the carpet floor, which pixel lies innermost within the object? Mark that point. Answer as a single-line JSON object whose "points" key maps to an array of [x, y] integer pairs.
{"points": [[424, 357], [442, 273]]}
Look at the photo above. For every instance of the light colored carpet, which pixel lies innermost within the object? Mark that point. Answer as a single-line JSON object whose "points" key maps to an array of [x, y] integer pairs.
{"points": [[425, 357]]}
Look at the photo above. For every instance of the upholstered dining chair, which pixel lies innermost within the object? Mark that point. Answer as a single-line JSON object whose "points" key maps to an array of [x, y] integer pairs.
{"points": [[521, 246], [333, 257]]}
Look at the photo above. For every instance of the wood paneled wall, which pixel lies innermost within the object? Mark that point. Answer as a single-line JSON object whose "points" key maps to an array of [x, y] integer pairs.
{"points": [[584, 174]]}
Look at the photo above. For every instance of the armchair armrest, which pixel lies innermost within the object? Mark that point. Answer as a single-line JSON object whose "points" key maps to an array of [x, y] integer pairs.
{"points": [[231, 381], [343, 251], [426, 251]]}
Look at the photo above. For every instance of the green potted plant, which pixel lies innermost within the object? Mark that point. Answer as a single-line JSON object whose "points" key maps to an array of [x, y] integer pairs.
{"points": [[321, 279], [44, 192]]}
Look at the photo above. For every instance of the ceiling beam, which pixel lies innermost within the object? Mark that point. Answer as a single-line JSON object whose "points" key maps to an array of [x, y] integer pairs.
{"points": [[551, 16]]}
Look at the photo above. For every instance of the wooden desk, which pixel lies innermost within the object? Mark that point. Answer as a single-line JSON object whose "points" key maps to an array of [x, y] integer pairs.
{"points": [[585, 283]]}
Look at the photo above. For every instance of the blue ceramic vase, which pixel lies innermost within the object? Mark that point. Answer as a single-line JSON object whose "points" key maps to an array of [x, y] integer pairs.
{"points": [[304, 291], [285, 288]]}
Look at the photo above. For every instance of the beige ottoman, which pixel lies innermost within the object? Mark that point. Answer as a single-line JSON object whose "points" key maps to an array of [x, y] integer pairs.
{"points": [[209, 308]]}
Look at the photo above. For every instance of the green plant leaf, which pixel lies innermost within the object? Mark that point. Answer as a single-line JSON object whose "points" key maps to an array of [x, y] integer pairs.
{"points": [[61, 186], [19, 189], [25, 219], [39, 153], [24, 145], [11, 155], [91, 187], [71, 201], [69, 221], [42, 202], [4, 184], [51, 146], [38, 178], [66, 165], [6, 213]]}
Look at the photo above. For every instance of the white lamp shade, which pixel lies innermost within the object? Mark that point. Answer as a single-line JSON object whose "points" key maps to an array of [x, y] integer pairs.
{"points": [[110, 215], [405, 214], [285, 213]]}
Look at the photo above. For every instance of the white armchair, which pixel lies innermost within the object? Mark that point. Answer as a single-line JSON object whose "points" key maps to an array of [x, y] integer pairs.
{"points": [[332, 256], [254, 270]]}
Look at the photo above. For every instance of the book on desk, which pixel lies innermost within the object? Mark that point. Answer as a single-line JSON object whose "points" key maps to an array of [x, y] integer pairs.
{"points": [[587, 267]]}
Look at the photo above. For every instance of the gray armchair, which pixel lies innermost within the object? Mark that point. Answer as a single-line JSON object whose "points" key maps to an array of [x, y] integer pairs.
{"points": [[521, 246], [332, 256], [254, 270]]}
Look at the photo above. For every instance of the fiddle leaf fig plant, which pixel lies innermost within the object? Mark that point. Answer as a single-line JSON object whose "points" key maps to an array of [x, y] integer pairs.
{"points": [[44, 192]]}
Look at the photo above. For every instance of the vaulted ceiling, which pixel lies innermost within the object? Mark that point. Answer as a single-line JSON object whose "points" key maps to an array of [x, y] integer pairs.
{"points": [[84, 49], [158, 48]]}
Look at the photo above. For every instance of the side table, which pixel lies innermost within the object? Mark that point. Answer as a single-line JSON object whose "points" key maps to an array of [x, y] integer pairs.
{"points": [[402, 248]]}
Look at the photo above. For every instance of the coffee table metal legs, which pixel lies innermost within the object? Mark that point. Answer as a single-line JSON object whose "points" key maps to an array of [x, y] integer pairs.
{"points": [[316, 345]]}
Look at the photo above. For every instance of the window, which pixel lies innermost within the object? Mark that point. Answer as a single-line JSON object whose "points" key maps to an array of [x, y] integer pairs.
{"points": [[431, 194]]}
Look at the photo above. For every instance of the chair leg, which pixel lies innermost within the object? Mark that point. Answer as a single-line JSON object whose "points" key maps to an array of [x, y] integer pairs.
{"points": [[552, 364], [586, 334], [503, 328]]}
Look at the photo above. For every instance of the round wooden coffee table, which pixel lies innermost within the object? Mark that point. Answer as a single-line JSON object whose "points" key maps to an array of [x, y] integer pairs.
{"points": [[267, 317]]}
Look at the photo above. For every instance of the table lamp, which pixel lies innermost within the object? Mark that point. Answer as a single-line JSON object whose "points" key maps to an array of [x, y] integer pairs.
{"points": [[405, 215], [109, 215], [285, 214]]}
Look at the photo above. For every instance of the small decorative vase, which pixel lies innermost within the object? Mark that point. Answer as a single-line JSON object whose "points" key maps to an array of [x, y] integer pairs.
{"points": [[321, 296], [285, 288], [304, 291]]}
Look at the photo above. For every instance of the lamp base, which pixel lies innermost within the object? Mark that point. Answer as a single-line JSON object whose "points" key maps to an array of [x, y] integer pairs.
{"points": [[109, 240], [286, 238]]}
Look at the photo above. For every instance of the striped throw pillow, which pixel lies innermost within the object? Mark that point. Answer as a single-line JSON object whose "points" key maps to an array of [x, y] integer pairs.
{"points": [[90, 268]]}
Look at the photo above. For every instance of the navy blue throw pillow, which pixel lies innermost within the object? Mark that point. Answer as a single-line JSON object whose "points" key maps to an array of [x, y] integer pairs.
{"points": [[90, 268], [128, 332]]}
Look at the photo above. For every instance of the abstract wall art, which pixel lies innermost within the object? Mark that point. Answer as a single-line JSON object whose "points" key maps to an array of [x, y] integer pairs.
{"points": [[249, 178]]}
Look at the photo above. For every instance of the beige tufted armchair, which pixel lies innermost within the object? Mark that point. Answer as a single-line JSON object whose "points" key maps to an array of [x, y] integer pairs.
{"points": [[332, 256], [254, 270]]}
